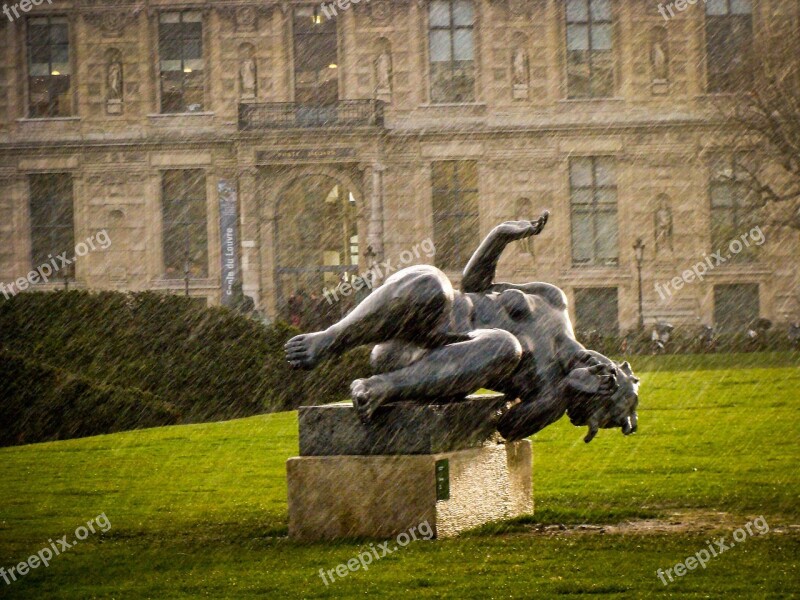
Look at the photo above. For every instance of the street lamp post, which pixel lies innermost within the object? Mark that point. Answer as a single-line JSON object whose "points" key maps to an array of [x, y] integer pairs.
{"points": [[638, 249], [186, 271]]}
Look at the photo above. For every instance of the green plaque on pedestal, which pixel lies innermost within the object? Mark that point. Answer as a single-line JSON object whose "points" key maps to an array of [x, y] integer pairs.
{"points": [[443, 479]]}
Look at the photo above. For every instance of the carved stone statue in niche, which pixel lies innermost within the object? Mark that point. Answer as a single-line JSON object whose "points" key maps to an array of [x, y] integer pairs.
{"points": [[519, 73], [383, 73], [247, 77], [663, 225], [659, 60], [114, 80]]}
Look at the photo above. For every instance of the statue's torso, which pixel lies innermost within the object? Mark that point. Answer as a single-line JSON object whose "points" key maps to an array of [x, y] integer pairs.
{"points": [[543, 330]]}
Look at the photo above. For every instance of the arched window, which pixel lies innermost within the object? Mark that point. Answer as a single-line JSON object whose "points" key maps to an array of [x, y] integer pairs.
{"points": [[317, 251]]}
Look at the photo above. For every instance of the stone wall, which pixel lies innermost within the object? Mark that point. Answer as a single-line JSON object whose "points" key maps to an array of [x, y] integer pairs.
{"points": [[660, 130]]}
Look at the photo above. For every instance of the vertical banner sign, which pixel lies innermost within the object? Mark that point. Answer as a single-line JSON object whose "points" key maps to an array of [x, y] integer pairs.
{"points": [[229, 254]]}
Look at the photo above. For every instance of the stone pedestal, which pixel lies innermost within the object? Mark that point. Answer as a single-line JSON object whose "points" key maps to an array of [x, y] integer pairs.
{"points": [[441, 464], [660, 87], [114, 107]]}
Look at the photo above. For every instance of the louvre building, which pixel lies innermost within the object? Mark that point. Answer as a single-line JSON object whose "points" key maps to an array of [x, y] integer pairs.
{"points": [[290, 146]]}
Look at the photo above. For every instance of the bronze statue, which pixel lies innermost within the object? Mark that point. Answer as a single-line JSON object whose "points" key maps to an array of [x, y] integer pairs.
{"points": [[433, 342]]}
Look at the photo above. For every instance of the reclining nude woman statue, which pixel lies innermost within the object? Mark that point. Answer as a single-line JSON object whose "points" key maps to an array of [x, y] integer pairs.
{"points": [[433, 343]]}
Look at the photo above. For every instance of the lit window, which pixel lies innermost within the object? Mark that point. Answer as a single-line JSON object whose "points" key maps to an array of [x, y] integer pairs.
{"points": [[49, 67], [316, 60], [180, 49]]}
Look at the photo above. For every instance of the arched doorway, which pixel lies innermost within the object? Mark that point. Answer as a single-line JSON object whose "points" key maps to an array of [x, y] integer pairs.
{"points": [[317, 249]]}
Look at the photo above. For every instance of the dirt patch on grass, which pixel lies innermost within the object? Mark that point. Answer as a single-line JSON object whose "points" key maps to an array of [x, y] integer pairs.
{"points": [[679, 522]]}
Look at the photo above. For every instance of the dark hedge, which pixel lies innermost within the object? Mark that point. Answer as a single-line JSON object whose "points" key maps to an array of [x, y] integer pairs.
{"points": [[41, 403], [209, 363]]}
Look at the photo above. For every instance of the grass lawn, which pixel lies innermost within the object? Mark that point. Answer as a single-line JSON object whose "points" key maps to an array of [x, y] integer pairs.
{"points": [[200, 510]]}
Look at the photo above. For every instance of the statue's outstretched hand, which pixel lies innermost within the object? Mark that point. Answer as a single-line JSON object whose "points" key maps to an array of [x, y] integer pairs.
{"points": [[599, 379], [511, 231]]}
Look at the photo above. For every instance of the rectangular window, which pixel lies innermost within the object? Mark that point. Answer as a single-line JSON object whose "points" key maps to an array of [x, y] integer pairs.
{"points": [[316, 58], [52, 221], [593, 198], [452, 50], [455, 212], [736, 306], [729, 43], [185, 224], [49, 67], [590, 65], [596, 312], [180, 51], [732, 205]]}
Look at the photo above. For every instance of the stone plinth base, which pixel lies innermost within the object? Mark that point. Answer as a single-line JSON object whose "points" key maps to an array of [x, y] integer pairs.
{"points": [[343, 496]]}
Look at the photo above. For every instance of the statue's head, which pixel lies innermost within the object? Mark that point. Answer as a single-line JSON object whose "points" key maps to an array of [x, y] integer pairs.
{"points": [[609, 410]]}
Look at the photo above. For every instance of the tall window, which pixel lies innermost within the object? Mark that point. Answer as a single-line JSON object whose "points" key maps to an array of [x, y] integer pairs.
{"points": [[593, 195], [316, 61], [52, 224], [452, 51], [596, 311], [455, 212], [732, 204], [185, 233], [729, 42], [735, 306], [180, 50], [49, 67], [590, 70]]}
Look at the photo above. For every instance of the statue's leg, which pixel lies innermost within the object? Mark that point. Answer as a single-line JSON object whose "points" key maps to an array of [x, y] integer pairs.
{"points": [[413, 305], [486, 359]]}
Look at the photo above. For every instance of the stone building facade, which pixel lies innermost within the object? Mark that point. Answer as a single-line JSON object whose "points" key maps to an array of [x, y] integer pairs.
{"points": [[354, 131]]}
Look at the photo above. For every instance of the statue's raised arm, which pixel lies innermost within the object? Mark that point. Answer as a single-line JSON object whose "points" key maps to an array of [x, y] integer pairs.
{"points": [[480, 270]]}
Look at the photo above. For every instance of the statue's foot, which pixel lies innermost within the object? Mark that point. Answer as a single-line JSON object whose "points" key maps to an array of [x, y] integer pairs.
{"points": [[307, 350], [368, 395]]}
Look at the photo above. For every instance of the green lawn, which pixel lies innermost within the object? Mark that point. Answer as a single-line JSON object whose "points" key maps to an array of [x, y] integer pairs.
{"points": [[200, 510]]}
